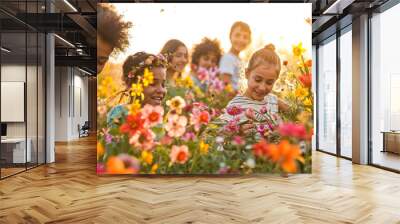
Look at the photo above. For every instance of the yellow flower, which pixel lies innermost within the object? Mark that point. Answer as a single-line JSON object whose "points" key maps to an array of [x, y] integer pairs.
{"points": [[301, 92], [203, 148], [298, 50], [147, 157], [198, 91], [212, 126], [106, 87], [307, 102], [187, 82], [100, 150], [229, 88], [304, 117], [148, 77], [154, 168], [137, 90], [135, 107], [177, 103]]}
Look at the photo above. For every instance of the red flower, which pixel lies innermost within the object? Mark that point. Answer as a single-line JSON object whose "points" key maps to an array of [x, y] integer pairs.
{"points": [[133, 123], [234, 110], [306, 80], [293, 130], [260, 149]]}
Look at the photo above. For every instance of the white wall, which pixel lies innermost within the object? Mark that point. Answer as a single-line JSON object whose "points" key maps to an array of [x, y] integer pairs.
{"points": [[71, 94], [34, 125]]}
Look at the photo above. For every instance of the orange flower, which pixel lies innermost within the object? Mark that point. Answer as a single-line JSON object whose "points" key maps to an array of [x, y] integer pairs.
{"points": [[308, 63], [284, 154], [306, 80], [289, 154], [122, 164], [115, 165]]}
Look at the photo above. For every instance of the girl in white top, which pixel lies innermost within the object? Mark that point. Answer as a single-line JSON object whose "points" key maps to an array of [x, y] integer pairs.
{"points": [[262, 72], [230, 64]]}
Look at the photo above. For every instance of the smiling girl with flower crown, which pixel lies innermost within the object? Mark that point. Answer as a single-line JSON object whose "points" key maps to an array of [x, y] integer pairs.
{"points": [[144, 75]]}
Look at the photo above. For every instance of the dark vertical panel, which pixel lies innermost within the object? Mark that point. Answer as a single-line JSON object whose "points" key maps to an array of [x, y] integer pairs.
{"points": [[369, 79], [26, 87], [338, 73], [316, 98]]}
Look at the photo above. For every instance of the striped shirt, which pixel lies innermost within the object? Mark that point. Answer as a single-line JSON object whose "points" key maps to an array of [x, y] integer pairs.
{"points": [[270, 102]]}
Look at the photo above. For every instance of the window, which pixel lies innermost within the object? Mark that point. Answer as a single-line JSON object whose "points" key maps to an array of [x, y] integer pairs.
{"points": [[346, 93], [327, 96], [385, 89]]}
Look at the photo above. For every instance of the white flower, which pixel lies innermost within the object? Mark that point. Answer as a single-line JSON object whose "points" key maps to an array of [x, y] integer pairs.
{"points": [[251, 163], [219, 139]]}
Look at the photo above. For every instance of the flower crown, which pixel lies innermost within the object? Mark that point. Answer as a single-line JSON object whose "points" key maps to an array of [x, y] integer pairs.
{"points": [[150, 62]]}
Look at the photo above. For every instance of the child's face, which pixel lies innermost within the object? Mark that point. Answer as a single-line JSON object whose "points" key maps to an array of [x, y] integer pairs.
{"points": [[179, 59], [155, 92], [260, 81], [240, 39], [208, 60]]}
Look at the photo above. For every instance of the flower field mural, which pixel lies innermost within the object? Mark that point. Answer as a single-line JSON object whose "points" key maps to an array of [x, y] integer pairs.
{"points": [[154, 118]]}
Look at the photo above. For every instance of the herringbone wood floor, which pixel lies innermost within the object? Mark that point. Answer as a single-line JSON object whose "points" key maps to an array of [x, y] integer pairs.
{"points": [[70, 192]]}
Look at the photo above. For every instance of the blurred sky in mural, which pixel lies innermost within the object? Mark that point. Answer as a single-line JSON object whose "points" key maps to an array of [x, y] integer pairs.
{"points": [[281, 24]]}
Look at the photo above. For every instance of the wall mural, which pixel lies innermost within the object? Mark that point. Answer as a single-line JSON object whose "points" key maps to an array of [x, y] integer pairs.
{"points": [[204, 88]]}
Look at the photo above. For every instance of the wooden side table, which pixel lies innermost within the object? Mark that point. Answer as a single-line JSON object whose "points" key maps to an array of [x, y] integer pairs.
{"points": [[391, 141]]}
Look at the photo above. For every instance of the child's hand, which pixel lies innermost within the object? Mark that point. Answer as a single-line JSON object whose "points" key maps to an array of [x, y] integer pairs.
{"points": [[247, 128]]}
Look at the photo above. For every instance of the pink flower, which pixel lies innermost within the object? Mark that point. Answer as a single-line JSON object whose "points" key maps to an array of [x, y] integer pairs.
{"points": [[237, 140], [101, 168], [250, 114], [294, 130], [189, 136], [261, 129], [263, 110], [213, 71], [179, 154], [217, 85], [152, 115], [202, 74], [143, 139], [166, 140], [108, 138], [234, 110], [132, 165], [232, 126], [223, 170], [176, 125], [198, 118]]}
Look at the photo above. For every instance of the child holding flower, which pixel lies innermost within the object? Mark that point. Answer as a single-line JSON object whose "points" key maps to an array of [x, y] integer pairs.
{"points": [[205, 59], [257, 103]]}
